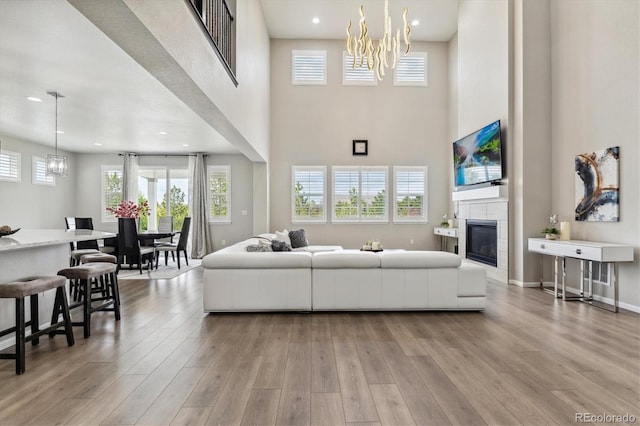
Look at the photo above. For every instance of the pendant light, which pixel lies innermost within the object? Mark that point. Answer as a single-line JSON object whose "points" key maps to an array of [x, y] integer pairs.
{"points": [[57, 165]]}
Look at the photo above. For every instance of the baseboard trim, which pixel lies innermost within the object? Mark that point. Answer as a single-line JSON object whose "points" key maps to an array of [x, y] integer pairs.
{"points": [[524, 284]]}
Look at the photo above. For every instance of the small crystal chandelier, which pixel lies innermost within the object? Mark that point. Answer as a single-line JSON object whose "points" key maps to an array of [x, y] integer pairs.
{"points": [[56, 164], [377, 54]]}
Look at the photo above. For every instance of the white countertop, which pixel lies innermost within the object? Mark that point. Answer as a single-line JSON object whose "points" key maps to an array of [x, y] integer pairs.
{"points": [[26, 238]]}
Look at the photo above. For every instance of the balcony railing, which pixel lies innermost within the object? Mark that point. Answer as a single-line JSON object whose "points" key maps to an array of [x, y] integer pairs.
{"points": [[218, 22]]}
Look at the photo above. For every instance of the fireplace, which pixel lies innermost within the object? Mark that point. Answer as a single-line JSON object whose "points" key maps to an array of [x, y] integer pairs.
{"points": [[482, 241]]}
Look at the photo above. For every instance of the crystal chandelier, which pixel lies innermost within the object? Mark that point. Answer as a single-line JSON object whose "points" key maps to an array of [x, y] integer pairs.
{"points": [[57, 165], [376, 54]]}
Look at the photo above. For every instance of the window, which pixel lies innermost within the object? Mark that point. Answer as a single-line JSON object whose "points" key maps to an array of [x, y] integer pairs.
{"points": [[308, 194], [219, 193], [601, 273], [358, 76], [309, 67], [39, 172], [111, 190], [162, 187], [411, 70], [10, 166], [359, 194], [409, 204]]}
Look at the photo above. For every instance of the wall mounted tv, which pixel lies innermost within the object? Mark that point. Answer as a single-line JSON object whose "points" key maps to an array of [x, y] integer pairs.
{"points": [[477, 158]]}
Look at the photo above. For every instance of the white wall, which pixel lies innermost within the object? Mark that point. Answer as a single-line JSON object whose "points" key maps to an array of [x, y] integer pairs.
{"points": [[314, 125], [596, 95], [25, 205]]}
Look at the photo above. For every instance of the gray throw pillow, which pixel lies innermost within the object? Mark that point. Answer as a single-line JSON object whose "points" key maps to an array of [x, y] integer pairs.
{"points": [[277, 245], [258, 248], [298, 238]]}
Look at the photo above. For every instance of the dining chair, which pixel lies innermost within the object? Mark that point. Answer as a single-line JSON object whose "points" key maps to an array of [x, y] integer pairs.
{"points": [[129, 245], [87, 223], [79, 248], [181, 246]]}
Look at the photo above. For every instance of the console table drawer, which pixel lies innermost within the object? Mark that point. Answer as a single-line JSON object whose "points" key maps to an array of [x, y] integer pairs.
{"points": [[599, 252]]}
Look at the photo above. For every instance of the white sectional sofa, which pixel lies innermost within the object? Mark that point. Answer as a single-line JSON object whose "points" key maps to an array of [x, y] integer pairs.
{"points": [[329, 278]]}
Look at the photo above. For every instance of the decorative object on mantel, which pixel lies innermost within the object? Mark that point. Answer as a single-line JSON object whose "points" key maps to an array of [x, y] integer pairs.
{"points": [[129, 209], [360, 147], [551, 232], [364, 49], [565, 231], [57, 165], [597, 189], [373, 246], [6, 230]]}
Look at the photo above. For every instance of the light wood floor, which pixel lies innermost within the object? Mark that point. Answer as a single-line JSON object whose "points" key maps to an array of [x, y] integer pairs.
{"points": [[527, 359]]}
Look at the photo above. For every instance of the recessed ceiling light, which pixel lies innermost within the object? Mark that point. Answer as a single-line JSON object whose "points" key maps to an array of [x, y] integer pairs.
{"points": [[34, 99], [97, 144], [162, 133], [185, 144], [60, 132], [415, 23], [315, 20]]}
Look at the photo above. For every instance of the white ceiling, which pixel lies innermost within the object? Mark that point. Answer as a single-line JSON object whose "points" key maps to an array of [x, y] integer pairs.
{"points": [[113, 101], [292, 18]]}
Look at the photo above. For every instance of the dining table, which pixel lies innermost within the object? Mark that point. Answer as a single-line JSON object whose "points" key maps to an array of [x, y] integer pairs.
{"points": [[31, 252]]}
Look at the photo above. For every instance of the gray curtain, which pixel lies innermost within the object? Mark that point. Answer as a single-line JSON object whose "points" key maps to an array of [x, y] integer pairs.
{"points": [[130, 178], [201, 241]]}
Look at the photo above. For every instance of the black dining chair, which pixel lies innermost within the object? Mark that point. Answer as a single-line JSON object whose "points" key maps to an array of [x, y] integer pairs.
{"points": [[79, 248], [181, 246], [129, 245]]}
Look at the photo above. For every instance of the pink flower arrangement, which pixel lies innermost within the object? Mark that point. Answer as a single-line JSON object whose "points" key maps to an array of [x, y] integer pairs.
{"points": [[130, 209]]}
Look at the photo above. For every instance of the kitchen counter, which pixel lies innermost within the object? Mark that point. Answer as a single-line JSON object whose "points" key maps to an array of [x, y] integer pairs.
{"points": [[28, 238]]}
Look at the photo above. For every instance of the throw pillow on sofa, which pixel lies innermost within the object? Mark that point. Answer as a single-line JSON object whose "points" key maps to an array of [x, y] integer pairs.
{"points": [[283, 236], [298, 238], [277, 245], [259, 248]]}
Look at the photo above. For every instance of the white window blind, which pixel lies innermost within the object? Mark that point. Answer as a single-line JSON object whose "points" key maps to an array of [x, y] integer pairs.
{"points": [[219, 194], [410, 194], [111, 191], [411, 70], [308, 194], [309, 67], [10, 166], [359, 194], [39, 172], [358, 76]]}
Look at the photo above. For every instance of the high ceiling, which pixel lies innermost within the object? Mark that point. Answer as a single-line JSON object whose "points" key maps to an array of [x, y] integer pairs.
{"points": [[112, 104]]}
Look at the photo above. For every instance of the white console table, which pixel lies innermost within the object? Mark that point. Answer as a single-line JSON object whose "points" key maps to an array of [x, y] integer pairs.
{"points": [[587, 252], [444, 234]]}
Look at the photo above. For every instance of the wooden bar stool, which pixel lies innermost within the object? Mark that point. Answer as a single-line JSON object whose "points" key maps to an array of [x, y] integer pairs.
{"points": [[115, 289], [86, 274], [32, 286]]}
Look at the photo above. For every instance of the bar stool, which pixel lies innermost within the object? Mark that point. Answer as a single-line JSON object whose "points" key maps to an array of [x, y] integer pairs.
{"points": [[106, 258], [31, 287], [86, 274]]}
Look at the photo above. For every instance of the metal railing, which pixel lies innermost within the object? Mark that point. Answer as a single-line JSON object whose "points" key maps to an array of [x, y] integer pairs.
{"points": [[217, 20]]}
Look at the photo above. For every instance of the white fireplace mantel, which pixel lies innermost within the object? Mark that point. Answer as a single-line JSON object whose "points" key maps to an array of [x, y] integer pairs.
{"points": [[485, 193]]}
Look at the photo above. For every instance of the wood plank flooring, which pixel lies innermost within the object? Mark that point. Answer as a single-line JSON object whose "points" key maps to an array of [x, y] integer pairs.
{"points": [[528, 359]]}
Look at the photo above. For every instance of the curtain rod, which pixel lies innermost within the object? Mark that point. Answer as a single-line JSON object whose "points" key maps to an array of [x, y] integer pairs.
{"points": [[162, 155]]}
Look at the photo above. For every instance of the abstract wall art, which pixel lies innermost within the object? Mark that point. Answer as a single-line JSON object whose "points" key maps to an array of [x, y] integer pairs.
{"points": [[597, 190]]}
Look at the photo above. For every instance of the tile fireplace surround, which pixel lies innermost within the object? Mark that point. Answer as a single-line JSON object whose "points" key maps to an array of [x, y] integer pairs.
{"points": [[487, 209]]}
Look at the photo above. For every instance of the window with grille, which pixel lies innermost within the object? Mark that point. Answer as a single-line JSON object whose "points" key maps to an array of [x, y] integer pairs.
{"points": [[111, 190], [39, 172], [10, 166], [309, 67], [359, 194], [411, 70], [219, 194], [410, 195], [308, 195], [601, 273], [358, 75]]}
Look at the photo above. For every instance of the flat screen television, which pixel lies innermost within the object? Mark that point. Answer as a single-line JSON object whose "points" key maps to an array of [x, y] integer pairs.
{"points": [[477, 158]]}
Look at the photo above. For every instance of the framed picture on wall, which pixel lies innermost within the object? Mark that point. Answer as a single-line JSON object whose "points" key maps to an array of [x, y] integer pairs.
{"points": [[360, 147]]}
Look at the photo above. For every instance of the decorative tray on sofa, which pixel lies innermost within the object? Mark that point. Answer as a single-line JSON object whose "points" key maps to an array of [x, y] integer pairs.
{"points": [[372, 250], [5, 233]]}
